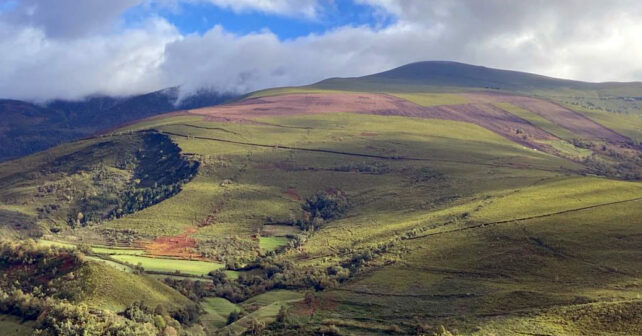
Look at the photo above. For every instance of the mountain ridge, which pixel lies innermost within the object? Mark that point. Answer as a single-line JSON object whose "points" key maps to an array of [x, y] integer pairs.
{"points": [[28, 127]]}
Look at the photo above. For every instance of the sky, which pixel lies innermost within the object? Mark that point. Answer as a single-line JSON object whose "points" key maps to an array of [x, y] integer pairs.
{"points": [[69, 49]]}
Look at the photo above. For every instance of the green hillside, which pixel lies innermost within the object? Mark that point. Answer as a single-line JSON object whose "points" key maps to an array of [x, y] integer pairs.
{"points": [[306, 210]]}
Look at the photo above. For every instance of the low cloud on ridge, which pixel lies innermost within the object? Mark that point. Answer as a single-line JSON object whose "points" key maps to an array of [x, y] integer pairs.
{"points": [[67, 51]]}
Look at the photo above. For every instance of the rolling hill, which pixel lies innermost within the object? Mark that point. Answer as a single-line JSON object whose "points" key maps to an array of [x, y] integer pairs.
{"points": [[436, 198], [461, 75], [27, 128]]}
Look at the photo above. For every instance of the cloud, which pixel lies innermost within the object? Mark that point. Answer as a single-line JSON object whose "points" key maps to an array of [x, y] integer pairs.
{"points": [[69, 18], [587, 40], [38, 67], [308, 8]]}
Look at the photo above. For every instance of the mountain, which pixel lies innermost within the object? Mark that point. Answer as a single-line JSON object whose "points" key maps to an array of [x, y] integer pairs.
{"points": [[26, 128], [454, 74], [443, 209]]}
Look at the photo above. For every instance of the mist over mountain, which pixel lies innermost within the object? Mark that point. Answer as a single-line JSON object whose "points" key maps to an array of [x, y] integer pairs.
{"points": [[26, 127]]}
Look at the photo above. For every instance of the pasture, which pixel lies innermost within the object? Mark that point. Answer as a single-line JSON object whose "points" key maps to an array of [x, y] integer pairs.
{"points": [[190, 267]]}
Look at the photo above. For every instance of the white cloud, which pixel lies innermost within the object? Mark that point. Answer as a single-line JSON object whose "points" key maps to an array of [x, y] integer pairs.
{"points": [[308, 8], [39, 67], [588, 40]]}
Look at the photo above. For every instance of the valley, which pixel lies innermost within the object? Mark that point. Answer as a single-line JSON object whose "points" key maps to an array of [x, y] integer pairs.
{"points": [[342, 209]]}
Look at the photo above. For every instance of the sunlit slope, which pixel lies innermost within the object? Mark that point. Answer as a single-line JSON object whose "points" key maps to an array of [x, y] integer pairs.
{"points": [[263, 161], [570, 273], [476, 211]]}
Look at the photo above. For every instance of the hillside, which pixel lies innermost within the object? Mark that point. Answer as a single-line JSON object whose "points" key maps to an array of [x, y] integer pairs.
{"points": [[57, 290], [458, 209], [435, 76], [27, 128]]}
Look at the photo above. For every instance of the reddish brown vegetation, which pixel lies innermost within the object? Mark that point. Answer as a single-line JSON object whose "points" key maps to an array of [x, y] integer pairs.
{"points": [[480, 111], [569, 119], [295, 104], [292, 194], [175, 246]]}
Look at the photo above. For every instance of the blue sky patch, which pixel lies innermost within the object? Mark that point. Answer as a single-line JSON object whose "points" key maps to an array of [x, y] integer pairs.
{"points": [[199, 17]]}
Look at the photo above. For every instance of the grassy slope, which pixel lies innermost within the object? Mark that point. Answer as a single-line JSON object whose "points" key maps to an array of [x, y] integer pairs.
{"points": [[466, 177], [627, 124], [485, 194], [478, 280], [114, 289], [257, 192], [12, 326]]}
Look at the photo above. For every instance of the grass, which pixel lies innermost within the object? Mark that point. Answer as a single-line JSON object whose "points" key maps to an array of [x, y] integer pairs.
{"points": [[272, 243], [13, 326], [502, 230], [120, 251], [95, 249], [190, 267], [111, 263], [269, 304], [269, 230], [217, 310], [220, 306], [629, 125], [279, 295], [569, 150], [45, 242], [537, 120], [115, 290], [265, 314], [433, 99], [289, 90], [551, 265]]}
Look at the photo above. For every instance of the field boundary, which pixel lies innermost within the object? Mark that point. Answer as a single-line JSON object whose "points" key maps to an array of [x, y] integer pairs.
{"points": [[477, 226], [373, 156]]}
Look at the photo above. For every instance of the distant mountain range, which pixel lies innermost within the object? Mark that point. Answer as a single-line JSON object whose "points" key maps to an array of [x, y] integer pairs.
{"points": [[26, 128]]}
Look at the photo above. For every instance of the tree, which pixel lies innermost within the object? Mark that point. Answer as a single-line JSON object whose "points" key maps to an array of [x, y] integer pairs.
{"points": [[218, 277], [233, 317], [256, 327], [283, 315]]}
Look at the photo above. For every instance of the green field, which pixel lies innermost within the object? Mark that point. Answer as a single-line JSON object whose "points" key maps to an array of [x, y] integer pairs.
{"points": [[190, 267], [272, 243], [218, 309], [121, 251], [220, 306]]}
